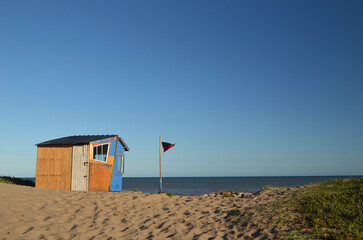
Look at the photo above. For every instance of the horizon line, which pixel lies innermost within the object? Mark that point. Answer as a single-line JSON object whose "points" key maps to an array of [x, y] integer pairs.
{"points": [[233, 176]]}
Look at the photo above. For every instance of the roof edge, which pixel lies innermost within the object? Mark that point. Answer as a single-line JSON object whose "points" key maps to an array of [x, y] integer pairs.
{"points": [[123, 143], [74, 140]]}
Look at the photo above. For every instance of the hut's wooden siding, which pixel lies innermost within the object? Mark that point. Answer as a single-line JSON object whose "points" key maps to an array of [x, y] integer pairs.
{"points": [[54, 167], [100, 173], [100, 177], [79, 168]]}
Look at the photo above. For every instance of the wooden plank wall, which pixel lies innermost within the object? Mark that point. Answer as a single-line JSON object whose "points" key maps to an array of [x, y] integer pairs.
{"points": [[100, 177], [79, 168], [54, 167]]}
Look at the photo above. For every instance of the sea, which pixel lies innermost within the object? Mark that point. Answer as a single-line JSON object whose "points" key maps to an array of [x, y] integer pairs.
{"points": [[205, 185]]}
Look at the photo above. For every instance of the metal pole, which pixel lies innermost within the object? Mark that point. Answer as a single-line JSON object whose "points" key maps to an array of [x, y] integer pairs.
{"points": [[161, 180]]}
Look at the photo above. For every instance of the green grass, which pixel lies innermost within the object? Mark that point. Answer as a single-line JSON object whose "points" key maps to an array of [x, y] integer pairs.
{"points": [[267, 187], [16, 181], [332, 210], [328, 210], [167, 193], [133, 190]]}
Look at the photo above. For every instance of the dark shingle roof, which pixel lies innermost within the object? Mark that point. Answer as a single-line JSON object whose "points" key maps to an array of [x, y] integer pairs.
{"points": [[75, 140], [79, 140]]}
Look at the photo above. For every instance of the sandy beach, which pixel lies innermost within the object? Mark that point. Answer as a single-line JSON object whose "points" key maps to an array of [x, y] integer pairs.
{"points": [[32, 213]]}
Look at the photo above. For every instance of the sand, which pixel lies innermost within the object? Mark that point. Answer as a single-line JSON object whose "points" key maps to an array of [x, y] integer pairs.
{"points": [[32, 213]]}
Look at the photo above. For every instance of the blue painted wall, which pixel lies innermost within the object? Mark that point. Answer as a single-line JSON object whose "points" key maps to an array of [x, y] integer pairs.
{"points": [[112, 148], [116, 183]]}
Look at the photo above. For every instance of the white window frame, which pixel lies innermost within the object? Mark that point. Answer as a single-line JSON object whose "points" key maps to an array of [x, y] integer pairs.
{"points": [[98, 145], [121, 163]]}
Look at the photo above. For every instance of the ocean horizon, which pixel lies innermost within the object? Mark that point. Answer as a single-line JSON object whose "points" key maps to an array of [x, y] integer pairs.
{"points": [[205, 185]]}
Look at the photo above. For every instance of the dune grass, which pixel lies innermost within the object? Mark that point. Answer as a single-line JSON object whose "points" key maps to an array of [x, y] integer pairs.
{"points": [[328, 210], [125, 191], [167, 193], [16, 181], [332, 210]]}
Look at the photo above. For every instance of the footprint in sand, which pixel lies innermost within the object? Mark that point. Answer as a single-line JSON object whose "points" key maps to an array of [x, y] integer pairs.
{"points": [[142, 228], [171, 235], [28, 230], [74, 226], [160, 225], [146, 221]]}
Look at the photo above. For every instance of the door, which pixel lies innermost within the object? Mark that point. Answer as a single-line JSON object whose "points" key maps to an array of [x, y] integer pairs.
{"points": [[99, 176], [79, 168]]}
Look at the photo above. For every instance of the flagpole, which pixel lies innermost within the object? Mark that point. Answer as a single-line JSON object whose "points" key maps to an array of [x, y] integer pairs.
{"points": [[161, 180]]}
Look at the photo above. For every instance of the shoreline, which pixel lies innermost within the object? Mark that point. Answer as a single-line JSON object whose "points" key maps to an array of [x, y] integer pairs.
{"points": [[197, 186]]}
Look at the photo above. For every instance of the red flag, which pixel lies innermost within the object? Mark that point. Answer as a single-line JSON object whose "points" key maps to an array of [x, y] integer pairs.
{"points": [[166, 146]]}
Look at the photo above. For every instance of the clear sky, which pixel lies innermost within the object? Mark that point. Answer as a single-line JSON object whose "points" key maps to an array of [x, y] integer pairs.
{"points": [[244, 88]]}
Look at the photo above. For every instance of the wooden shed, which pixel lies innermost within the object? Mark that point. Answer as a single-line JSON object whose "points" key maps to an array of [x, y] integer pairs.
{"points": [[93, 162]]}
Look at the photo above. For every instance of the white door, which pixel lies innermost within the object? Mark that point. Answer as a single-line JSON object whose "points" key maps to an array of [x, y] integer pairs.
{"points": [[79, 168]]}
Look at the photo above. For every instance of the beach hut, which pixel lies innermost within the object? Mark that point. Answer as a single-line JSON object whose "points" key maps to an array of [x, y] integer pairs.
{"points": [[93, 162]]}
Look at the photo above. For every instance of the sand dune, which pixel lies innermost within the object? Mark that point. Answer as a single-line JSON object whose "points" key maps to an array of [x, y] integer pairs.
{"points": [[31, 213]]}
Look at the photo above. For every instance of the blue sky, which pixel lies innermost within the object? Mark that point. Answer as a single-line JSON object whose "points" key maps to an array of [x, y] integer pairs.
{"points": [[244, 88]]}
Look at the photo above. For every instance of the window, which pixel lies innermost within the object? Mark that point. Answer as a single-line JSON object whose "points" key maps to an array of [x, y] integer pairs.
{"points": [[100, 152], [120, 161]]}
